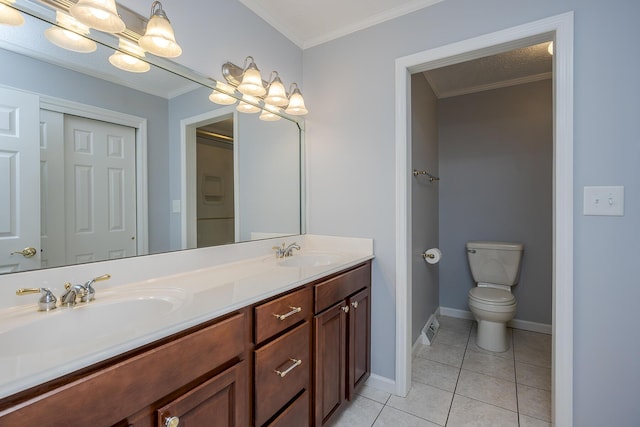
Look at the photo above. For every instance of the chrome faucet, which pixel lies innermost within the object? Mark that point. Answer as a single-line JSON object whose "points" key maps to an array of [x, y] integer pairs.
{"points": [[86, 292], [284, 252]]}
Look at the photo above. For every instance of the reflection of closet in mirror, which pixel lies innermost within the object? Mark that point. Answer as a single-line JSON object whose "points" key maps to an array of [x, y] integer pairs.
{"points": [[214, 182]]}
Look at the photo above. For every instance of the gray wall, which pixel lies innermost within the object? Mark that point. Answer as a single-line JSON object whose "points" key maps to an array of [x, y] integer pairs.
{"points": [[46, 79], [496, 157], [424, 202], [349, 89]]}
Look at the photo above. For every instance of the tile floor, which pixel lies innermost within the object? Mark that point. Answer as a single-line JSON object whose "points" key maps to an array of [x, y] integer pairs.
{"points": [[455, 383]]}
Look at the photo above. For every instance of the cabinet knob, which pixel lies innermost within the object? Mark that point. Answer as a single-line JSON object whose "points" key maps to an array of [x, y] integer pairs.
{"points": [[171, 421], [354, 304], [345, 308]]}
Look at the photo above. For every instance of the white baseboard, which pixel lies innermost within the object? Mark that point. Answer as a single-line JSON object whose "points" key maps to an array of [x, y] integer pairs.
{"points": [[381, 383], [525, 325]]}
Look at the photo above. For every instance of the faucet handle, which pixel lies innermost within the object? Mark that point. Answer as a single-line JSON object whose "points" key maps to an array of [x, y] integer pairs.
{"points": [[46, 302], [279, 250], [91, 293]]}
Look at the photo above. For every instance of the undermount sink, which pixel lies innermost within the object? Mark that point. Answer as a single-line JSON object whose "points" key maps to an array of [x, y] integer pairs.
{"points": [[310, 260], [86, 324]]}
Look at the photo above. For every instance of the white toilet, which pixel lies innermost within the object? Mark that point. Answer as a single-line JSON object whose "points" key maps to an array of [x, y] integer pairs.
{"points": [[495, 267]]}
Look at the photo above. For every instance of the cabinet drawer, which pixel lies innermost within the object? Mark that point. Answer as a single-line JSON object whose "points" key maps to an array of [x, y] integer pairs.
{"points": [[340, 287], [281, 371], [296, 414], [275, 316]]}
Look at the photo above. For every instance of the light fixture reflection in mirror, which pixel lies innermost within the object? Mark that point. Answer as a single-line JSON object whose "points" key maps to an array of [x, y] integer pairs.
{"points": [[9, 15], [245, 107], [222, 98], [159, 37], [71, 36], [267, 114], [99, 14], [124, 58]]}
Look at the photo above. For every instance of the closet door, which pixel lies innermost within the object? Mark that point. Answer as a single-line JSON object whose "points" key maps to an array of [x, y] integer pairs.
{"points": [[100, 190]]}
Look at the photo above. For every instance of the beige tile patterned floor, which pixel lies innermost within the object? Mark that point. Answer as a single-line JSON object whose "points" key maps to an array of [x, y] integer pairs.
{"points": [[455, 383]]}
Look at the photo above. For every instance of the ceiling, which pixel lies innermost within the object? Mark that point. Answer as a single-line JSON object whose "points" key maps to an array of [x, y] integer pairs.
{"points": [[523, 65], [309, 23]]}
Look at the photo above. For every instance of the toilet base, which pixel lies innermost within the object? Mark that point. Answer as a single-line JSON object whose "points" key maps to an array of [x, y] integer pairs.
{"points": [[492, 336]]}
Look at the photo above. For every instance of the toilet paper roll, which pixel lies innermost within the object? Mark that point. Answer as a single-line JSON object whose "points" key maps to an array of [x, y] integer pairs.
{"points": [[432, 256]]}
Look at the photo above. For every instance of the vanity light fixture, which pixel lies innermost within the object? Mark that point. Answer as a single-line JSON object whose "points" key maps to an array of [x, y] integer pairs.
{"points": [[9, 15], [127, 58], [246, 107], [296, 102], [70, 34], [248, 79], [99, 14], [251, 83], [159, 37], [220, 97], [277, 94]]}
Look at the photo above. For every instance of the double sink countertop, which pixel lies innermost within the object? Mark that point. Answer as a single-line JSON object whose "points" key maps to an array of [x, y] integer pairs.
{"points": [[37, 347]]}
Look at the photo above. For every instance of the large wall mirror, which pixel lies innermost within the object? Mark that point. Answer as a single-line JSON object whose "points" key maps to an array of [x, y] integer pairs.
{"points": [[98, 163]]}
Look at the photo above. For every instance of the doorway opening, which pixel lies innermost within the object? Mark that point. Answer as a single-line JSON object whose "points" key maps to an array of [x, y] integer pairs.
{"points": [[560, 30]]}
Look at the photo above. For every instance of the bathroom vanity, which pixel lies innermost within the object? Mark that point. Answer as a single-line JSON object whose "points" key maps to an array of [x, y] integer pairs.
{"points": [[259, 342]]}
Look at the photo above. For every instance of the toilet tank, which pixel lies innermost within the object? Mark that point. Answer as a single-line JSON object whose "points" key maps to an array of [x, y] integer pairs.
{"points": [[495, 262]]}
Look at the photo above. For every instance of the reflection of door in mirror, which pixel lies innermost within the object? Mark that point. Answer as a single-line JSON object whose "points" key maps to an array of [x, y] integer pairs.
{"points": [[19, 183], [215, 222]]}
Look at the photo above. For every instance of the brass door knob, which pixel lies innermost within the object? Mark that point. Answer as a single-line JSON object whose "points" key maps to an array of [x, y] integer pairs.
{"points": [[26, 252]]}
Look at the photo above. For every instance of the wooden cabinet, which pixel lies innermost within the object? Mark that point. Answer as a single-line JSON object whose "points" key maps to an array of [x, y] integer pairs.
{"points": [[291, 360], [218, 402], [129, 390], [342, 339]]}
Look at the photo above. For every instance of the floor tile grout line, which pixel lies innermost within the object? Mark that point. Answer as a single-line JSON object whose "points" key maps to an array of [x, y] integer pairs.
{"points": [[515, 374], [459, 373]]}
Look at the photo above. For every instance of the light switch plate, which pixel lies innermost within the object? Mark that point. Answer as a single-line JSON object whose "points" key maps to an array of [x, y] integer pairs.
{"points": [[604, 201]]}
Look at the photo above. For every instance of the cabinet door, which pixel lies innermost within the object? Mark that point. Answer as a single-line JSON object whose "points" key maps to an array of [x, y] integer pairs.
{"points": [[358, 353], [330, 360], [219, 402]]}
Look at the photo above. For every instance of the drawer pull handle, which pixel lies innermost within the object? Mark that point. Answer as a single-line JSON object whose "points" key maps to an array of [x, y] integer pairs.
{"points": [[345, 308], [282, 374], [354, 304], [293, 311], [171, 421]]}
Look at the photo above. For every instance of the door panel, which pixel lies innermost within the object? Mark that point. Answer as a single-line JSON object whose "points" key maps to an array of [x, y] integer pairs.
{"points": [[100, 190], [19, 180]]}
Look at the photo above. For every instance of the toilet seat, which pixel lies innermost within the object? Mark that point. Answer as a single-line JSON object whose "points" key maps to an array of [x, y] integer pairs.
{"points": [[492, 296]]}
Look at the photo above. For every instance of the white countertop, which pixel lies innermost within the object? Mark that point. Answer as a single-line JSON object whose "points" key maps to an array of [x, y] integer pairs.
{"points": [[36, 347]]}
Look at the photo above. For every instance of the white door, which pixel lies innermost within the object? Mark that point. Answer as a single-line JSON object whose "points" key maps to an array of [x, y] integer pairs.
{"points": [[19, 181], [52, 189], [100, 190]]}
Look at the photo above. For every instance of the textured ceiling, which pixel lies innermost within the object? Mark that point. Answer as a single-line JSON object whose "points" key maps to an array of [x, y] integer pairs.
{"points": [[311, 22], [517, 66]]}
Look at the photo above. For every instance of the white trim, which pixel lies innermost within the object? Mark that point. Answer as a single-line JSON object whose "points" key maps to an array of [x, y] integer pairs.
{"points": [[524, 325], [381, 383], [65, 106], [560, 28]]}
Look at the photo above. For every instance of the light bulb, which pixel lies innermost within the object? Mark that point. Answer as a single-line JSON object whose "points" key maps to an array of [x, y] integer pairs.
{"points": [[99, 14], [296, 104], [9, 15], [252, 81], [277, 94], [69, 34], [220, 97], [159, 37]]}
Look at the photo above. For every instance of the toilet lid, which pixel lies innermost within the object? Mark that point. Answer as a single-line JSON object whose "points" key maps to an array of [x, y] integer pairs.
{"points": [[492, 296]]}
